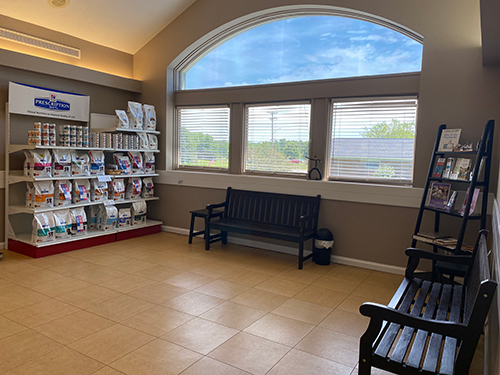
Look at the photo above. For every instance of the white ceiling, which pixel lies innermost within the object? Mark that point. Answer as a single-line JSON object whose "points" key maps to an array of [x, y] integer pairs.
{"points": [[125, 25]]}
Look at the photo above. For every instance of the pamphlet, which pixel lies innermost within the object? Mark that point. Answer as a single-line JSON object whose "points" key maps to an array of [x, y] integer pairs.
{"points": [[440, 193], [450, 164], [449, 139], [463, 169], [438, 171], [472, 203]]}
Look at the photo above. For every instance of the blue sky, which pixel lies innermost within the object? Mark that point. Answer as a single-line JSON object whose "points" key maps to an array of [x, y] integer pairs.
{"points": [[306, 48]]}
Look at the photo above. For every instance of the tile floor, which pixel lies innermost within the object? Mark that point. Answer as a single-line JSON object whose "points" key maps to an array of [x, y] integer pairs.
{"points": [[156, 305]]}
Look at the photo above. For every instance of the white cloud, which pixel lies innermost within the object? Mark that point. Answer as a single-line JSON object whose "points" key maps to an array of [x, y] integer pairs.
{"points": [[375, 38]]}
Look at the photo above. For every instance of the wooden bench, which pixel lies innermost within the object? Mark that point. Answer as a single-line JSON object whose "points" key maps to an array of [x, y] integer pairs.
{"points": [[430, 327], [284, 217]]}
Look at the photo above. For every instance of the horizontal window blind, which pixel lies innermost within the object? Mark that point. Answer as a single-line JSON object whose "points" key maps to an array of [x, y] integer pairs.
{"points": [[373, 140], [203, 137], [277, 138]]}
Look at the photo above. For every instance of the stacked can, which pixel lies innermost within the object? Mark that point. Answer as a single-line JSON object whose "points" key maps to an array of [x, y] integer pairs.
{"points": [[64, 135], [45, 134], [52, 135], [94, 140], [35, 136], [126, 144], [79, 136], [72, 136], [85, 141], [118, 141], [108, 140]]}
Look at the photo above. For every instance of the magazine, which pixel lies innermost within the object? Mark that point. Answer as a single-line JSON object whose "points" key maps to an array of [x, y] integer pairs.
{"points": [[461, 169], [450, 164], [449, 139], [440, 193], [438, 171]]}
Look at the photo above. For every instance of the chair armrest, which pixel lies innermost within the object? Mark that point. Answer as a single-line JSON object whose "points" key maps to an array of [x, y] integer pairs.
{"points": [[305, 218], [414, 256], [441, 327], [212, 206]]}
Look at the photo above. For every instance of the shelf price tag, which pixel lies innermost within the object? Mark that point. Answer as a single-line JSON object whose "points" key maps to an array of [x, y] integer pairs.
{"points": [[104, 178], [108, 202]]}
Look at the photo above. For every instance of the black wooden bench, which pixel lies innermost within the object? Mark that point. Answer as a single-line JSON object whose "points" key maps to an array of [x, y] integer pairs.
{"points": [[284, 217], [430, 327]]}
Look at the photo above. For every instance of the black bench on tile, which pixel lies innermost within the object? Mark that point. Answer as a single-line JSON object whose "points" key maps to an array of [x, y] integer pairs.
{"points": [[284, 217], [430, 327]]}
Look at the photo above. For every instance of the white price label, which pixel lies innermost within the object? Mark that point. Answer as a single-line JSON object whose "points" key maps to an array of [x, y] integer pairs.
{"points": [[108, 202], [104, 178]]}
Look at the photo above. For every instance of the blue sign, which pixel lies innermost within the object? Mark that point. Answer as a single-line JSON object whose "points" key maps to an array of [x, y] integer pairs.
{"points": [[52, 103]]}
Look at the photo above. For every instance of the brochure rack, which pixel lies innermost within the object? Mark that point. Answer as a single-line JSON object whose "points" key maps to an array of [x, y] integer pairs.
{"points": [[18, 218]]}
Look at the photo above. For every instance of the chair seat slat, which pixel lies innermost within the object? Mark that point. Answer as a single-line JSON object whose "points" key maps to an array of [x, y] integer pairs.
{"points": [[450, 343]]}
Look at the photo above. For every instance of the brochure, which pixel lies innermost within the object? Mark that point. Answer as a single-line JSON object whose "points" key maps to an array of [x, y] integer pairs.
{"points": [[438, 171], [440, 193], [449, 139], [450, 164]]}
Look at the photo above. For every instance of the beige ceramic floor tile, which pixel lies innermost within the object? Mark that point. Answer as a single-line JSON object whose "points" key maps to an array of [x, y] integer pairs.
{"points": [[58, 287], [193, 303], [233, 315], [321, 296], [127, 283], [279, 329], [73, 327], [98, 274], [158, 293], [62, 361], [158, 273], [214, 270], [23, 347], [260, 299], [222, 289], [299, 276], [281, 286], [74, 268], [200, 335], [18, 297], [131, 265], [384, 279], [9, 327], [347, 323], [108, 371], [52, 261], [209, 366], [337, 284], [106, 259], [40, 313], [303, 311], [120, 308], [246, 277], [352, 303], [30, 279], [349, 273], [374, 291], [297, 362], [250, 353], [108, 345], [89, 296], [189, 280], [156, 358], [157, 321]]}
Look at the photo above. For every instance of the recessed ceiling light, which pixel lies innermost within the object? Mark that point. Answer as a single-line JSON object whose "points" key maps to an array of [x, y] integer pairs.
{"points": [[58, 4]]}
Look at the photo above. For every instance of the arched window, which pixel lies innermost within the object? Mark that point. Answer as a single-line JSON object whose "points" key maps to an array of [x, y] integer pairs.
{"points": [[303, 49]]}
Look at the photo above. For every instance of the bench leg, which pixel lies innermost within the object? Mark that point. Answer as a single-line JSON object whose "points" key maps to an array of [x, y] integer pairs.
{"points": [[207, 235], [223, 237], [191, 227], [301, 254]]}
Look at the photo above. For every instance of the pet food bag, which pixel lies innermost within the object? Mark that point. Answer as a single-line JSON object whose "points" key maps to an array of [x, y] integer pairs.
{"points": [[43, 227], [121, 119], [123, 163], [148, 188], [149, 162], [30, 195], [96, 163], [152, 142], [135, 115], [143, 141], [81, 191], [93, 215], [139, 211], [137, 162], [28, 164], [78, 221], [61, 163], [44, 194], [109, 217], [99, 191], [118, 189], [42, 163], [134, 188], [62, 192], [124, 217], [62, 223], [149, 117], [80, 164]]}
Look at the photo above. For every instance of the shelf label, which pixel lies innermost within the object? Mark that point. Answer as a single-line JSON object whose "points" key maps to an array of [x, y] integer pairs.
{"points": [[104, 178], [108, 202]]}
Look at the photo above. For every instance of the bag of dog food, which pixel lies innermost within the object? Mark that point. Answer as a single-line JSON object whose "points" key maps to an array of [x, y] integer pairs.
{"points": [[134, 188], [121, 119], [123, 163], [148, 188], [135, 115], [28, 164], [78, 221], [149, 162], [139, 211], [109, 217], [62, 192], [149, 117], [99, 191], [81, 191], [44, 194], [80, 164], [96, 163], [137, 163], [124, 217], [42, 163], [152, 142], [30, 195], [143, 141], [43, 227], [117, 189], [61, 163], [92, 215], [62, 223]]}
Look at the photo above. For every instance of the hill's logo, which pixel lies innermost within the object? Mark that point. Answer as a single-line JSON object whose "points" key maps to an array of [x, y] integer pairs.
{"points": [[52, 103]]}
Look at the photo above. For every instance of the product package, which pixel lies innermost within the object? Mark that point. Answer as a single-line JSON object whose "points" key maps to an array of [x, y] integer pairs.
{"points": [[149, 117], [78, 221], [117, 189], [149, 162], [93, 215], [61, 163], [137, 162], [108, 217], [42, 163], [81, 191], [43, 227], [134, 188], [62, 223], [143, 141], [148, 188], [62, 192], [44, 194], [152, 142], [135, 115], [80, 163], [96, 163], [139, 211], [121, 119], [99, 191], [30, 195], [124, 217], [28, 164], [123, 163]]}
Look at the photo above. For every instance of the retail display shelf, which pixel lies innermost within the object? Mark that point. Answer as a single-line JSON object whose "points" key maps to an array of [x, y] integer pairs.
{"points": [[17, 148], [17, 176], [127, 150], [134, 131]]}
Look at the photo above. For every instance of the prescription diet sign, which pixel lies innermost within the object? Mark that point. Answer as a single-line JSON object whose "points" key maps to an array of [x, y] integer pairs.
{"points": [[39, 101]]}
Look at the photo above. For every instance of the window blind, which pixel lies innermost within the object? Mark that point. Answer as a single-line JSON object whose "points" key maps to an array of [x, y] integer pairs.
{"points": [[277, 138], [203, 137], [373, 140]]}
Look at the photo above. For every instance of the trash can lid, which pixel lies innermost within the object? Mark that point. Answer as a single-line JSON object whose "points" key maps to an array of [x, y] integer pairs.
{"points": [[324, 235]]}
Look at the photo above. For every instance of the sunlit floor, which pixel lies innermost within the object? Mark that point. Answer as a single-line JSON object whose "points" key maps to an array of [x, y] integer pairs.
{"points": [[156, 305]]}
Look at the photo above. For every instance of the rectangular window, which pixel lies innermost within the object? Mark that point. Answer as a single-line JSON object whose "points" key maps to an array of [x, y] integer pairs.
{"points": [[203, 137], [277, 138], [373, 140]]}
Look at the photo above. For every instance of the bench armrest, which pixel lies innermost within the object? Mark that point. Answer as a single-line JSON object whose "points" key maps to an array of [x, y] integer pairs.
{"points": [[440, 327], [415, 255], [212, 206], [305, 218]]}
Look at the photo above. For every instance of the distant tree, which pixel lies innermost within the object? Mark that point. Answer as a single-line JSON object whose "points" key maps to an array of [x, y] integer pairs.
{"points": [[385, 170], [395, 129]]}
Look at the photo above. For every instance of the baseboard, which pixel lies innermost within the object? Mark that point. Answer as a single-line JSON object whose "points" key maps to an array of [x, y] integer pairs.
{"points": [[293, 251], [2, 245]]}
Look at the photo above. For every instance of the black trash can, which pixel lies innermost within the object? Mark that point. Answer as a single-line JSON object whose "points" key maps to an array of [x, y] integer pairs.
{"points": [[322, 247]]}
